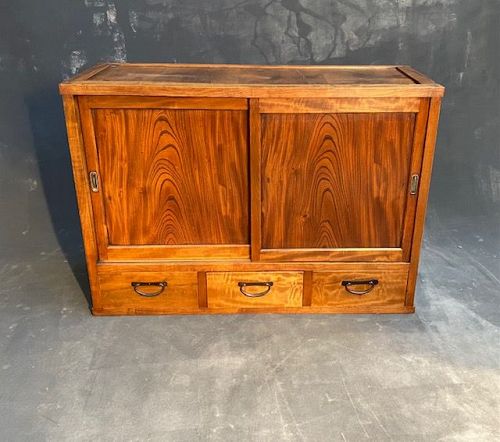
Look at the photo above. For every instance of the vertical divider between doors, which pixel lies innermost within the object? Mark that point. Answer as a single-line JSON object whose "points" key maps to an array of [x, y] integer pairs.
{"points": [[255, 181]]}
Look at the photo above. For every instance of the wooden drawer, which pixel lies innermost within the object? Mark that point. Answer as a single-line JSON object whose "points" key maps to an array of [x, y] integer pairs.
{"points": [[128, 292], [385, 286], [243, 290]]}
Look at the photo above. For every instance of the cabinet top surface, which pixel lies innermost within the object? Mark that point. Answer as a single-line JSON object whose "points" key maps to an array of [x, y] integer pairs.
{"points": [[250, 81]]}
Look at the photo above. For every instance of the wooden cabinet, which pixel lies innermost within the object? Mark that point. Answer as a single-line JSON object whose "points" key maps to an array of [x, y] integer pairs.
{"points": [[227, 188]]}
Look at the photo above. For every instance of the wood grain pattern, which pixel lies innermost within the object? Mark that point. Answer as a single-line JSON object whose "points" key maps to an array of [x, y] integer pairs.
{"points": [[416, 76], [348, 105], [236, 266], [79, 165], [338, 255], [111, 271], [173, 177], [117, 294], [177, 253], [318, 156], [255, 180], [362, 309], [423, 195], [131, 102], [415, 169], [307, 290], [202, 290], [335, 180], [250, 81], [250, 74], [390, 290], [224, 292]]}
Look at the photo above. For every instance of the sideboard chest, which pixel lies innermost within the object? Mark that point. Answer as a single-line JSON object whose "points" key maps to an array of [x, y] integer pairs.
{"points": [[233, 188]]}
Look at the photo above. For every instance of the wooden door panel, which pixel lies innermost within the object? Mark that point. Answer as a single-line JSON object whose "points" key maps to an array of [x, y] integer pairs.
{"points": [[335, 180], [173, 177]]}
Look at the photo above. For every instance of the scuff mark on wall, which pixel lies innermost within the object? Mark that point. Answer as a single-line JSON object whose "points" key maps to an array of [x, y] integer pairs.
{"points": [[133, 20], [105, 26], [77, 60], [120, 51]]}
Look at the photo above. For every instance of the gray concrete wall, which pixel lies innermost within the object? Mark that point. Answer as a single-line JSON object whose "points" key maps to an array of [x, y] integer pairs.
{"points": [[456, 42]]}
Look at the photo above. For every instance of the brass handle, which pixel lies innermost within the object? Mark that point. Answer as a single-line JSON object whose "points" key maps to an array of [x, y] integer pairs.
{"points": [[242, 286], [370, 282], [136, 286]]}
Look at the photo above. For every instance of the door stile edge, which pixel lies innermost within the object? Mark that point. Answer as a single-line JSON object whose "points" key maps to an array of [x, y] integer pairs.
{"points": [[415, 169], [255, 180], [423, 195]]}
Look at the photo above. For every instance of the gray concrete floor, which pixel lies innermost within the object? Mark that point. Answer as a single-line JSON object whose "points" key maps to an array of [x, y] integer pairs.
{"points": [[434, 375]]}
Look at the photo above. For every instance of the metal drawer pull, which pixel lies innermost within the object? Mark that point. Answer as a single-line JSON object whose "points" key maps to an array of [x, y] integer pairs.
{"points": [[137, 285], [242, 286], [348, 284]]}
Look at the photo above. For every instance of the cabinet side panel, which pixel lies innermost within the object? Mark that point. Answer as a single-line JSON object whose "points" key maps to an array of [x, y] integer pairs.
{"points": [[78, 162], [335, 180], [423, 195]]}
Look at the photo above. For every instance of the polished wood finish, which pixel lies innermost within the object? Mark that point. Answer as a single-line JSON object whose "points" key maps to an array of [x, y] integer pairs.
{"points": [[235, 266], [251, 75], [423, 193], [150, 163], [162, 252], [202, 290], [131, 102], [80, 176], [255, 180], [210, 175], [307, 290], [245, 81], [338, 105], [390, 290], [118, 295], [338, 255], [224, 292], [327, 182]]}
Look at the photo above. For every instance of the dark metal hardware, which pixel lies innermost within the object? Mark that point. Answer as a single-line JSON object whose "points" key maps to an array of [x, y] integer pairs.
{"points": [[349, 284], [136, 286], [414, 184], [242, 286], [94, 181]]}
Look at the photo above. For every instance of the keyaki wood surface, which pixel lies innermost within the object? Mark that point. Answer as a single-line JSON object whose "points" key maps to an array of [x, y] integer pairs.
{"points": [[390, 290], [180, 294], [251, 81], [224, 292], [326, 182], [173, 177], [210, 175]]}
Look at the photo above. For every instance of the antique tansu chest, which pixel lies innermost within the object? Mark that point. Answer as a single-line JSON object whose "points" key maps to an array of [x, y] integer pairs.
{"points": [[232, 188]]}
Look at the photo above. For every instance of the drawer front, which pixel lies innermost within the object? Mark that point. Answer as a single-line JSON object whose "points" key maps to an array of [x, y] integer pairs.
{"points": [[235, 290], [368, 286], [123, 292]]}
